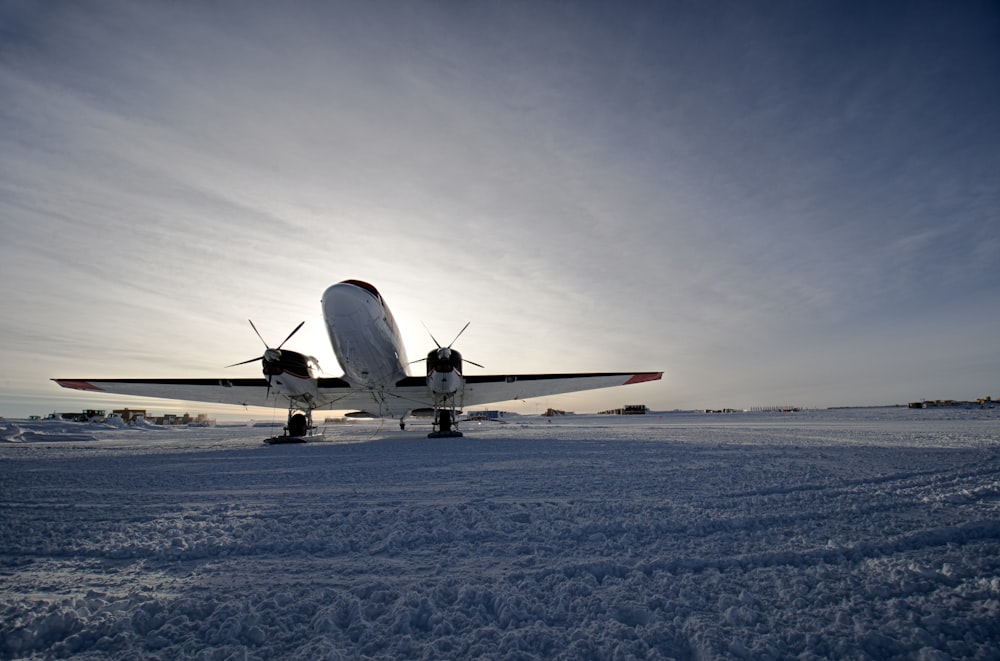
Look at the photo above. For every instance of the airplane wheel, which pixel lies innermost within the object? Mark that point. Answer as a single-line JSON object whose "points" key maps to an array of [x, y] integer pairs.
{"points": [[297, 425], [445, 420]]}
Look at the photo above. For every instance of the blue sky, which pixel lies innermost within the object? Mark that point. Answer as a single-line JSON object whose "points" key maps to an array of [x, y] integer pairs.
{"points": [[771, 202]]}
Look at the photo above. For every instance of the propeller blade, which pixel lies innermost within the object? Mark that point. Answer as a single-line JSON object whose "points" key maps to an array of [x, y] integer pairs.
{"points": [[258, 333], [438, 344], [466, 360], [459, 335], [292, 333], [252, 360]]}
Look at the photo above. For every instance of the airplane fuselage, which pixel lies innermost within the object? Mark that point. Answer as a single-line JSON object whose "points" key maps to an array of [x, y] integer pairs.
{"points": [[364, 335]]}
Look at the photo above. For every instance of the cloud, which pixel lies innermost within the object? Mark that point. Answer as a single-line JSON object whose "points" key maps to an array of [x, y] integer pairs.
{"points": [[594, 189]]}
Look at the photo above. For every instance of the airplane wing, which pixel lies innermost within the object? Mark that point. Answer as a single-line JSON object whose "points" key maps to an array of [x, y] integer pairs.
{"points": [[489, 389], [334, 394], [337, 394]]}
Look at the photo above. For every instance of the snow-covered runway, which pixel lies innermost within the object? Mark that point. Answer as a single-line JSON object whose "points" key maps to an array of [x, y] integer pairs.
{"points": [[833, 534]]}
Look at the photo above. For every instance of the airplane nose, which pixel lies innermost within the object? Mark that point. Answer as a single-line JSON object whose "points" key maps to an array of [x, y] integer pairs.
{"points": [[345, 299], [340, 301]]}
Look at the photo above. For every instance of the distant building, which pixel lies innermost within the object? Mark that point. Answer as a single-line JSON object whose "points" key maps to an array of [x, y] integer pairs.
{"points": [[485, 415], [130, 415], [982, 402], [173, 419], [628, 409]]}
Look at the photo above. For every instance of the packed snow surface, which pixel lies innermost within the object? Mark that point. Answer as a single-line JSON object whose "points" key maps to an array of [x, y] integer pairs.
{"points": [[848, 534]]}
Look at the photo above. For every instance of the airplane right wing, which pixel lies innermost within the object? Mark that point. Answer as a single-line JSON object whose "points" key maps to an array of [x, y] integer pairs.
{"points": [[483, 389], [413, 393]]}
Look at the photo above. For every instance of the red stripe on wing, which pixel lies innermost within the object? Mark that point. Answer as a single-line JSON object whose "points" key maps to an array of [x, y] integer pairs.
{"points": [[645, 376], [77, 385]]}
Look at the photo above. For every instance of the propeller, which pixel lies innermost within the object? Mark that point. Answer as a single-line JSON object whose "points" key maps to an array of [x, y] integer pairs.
{"points": [[271, 357], [444, 353]]}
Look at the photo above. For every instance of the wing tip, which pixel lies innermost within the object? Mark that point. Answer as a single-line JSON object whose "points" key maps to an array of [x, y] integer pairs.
{"points": [[643, 377]]}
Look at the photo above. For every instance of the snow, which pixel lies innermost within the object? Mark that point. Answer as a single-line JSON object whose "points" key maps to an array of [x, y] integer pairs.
{"points": [[850, 534]]}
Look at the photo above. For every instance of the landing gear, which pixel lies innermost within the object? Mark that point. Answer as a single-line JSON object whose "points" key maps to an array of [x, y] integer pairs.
{"points": [[298, 429], [443, 421], [297, 424]]}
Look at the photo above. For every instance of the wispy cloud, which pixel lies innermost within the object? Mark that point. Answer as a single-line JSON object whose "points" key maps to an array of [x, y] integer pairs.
{"points": [[691, 188]]}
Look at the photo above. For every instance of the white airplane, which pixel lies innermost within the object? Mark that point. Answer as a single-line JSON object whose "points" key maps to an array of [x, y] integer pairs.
{"points": [[367, 343]]}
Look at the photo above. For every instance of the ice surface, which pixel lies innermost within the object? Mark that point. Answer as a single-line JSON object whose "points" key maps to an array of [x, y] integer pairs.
{"points": [[859, 534]]}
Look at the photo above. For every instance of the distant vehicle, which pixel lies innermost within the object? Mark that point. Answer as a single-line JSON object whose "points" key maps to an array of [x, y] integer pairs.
{"points": [[89, 415], [367, 343]]}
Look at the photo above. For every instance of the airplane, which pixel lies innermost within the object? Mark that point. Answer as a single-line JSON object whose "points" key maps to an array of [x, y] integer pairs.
{"points": [[367, 343]]}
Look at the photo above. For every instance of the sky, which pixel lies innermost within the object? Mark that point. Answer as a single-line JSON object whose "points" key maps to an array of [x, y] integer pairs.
{"points": [[774, 203]]}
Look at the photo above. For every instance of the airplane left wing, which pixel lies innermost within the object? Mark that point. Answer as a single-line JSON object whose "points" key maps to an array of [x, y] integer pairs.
{"points": [[242, 392], [331, 393]]}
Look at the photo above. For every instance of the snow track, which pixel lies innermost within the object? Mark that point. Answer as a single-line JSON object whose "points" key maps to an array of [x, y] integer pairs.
{"points": [[829, 534]]}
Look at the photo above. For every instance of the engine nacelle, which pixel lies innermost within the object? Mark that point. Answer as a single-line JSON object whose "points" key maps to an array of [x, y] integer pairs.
{"points": [[444, 371], [291, 373], [282, 361]]}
